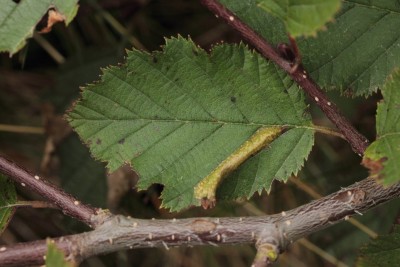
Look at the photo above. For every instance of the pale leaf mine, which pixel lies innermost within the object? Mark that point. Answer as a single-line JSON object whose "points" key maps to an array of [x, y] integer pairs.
{"points": [[206, 188]]}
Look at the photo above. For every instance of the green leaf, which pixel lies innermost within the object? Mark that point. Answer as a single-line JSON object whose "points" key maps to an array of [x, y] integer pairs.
{"points": [[8, 196], [368, 50], [176, 115], [302, 17], [382, 156], [355, 54], [18, 21], [382, 252], [55, 257]]}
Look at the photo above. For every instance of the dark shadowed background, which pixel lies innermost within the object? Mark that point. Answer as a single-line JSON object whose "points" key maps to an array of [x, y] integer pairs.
{"points": [[40, 83]]}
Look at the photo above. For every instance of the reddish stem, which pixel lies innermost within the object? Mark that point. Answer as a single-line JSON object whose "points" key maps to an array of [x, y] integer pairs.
{"points": [[357, 141], [67, 203]]}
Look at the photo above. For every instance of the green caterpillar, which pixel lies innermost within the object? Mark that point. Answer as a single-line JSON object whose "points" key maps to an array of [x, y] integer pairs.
{"points": [[206, 188]]}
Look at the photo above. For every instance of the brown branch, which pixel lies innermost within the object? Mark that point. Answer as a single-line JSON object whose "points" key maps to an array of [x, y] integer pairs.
{"points": [[67, 203], [280, 230], [357, 141]]}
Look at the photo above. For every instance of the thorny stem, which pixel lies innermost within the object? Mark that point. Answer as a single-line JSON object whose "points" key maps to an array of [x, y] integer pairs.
{"points": [[120, 232], [67, 203], [306, 188], [357, 141]]}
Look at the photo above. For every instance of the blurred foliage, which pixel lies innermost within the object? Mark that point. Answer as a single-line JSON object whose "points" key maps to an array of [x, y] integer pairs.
{"points": [[383, 252], [35, 90], [8, 197], [55, 257]]}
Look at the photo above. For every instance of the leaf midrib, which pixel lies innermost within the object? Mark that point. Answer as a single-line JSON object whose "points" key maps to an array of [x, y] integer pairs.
{"points": [[346, 47], [201, 121], [388, 135], [8, 16], [370, 6]]}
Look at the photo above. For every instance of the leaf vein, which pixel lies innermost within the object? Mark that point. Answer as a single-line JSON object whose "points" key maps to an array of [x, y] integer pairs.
{"points": [[142, 93], [181, 89], [373, 62], [180, 157], [371, 6], [115, 102], [127, 135], [159, 140], [345, 47]]}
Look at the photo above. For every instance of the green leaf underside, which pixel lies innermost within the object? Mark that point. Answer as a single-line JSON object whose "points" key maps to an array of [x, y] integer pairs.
{"points": [[302, 17], [382, 252], [55, 257], [17, 21], [382, 156], [176, 115], [8, 196], [355, 54]]}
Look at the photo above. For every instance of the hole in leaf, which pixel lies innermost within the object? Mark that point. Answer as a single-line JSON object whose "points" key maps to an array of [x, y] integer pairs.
{"points": [[49, 19]]}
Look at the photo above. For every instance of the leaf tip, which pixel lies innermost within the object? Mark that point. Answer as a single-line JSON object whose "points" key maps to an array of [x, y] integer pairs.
{"points": [[205, 191], [207, 203]]}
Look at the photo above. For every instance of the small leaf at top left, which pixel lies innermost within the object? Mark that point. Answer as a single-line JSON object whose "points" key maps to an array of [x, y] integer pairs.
{"points": [[8, 197], [18, 20]]}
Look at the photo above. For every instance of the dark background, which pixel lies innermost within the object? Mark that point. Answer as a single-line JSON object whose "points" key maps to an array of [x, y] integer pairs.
{"points": [[37, 86]]}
